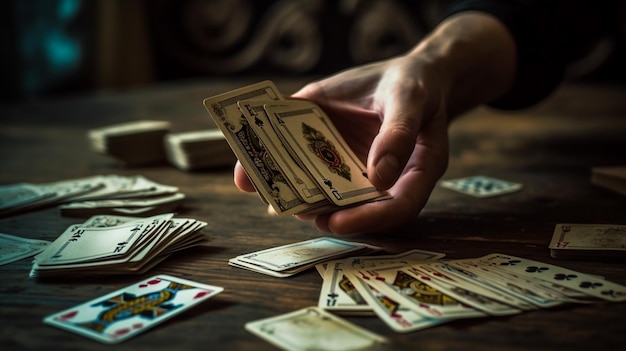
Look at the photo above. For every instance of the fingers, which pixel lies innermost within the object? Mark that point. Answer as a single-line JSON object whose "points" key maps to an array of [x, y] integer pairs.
{"points": [[241, 179], [402, 107], [409, 196]]}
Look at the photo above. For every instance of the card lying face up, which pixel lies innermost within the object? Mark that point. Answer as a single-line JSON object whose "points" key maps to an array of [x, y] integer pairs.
{"points": [[291, 151], [124, 313]]}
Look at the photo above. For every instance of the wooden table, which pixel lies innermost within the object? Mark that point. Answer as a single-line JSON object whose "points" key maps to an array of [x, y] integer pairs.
{"points": [[549, 148]]}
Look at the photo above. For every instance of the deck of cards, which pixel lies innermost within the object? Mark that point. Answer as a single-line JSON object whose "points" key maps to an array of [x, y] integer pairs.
{"points": [[202, 149], [287, 260], [612, 178], [589, 241], [291, 151], [135, 143], [14, 248], [105, 245], [416, 289], [85, 197], [124, 313]]}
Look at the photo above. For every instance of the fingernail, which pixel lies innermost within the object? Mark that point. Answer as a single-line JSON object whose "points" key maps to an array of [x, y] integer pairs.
{"points": [[387, 170]]}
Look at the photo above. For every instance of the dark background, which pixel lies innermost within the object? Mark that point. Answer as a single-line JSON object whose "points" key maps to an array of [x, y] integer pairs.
{"points": [[52, 47]]}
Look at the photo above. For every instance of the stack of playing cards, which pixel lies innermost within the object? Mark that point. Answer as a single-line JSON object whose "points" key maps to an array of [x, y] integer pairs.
{"points": [[124, 313], [14, 248], [196, 150], [85, 197], [481, 186], [589, 241], [611, 178], [105, 245], [287, 260], [291, 151], [416, 290], [132, 143], [22, 197]]}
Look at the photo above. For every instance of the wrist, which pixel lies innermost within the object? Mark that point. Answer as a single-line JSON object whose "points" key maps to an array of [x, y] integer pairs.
{"points": [[475, 56]]}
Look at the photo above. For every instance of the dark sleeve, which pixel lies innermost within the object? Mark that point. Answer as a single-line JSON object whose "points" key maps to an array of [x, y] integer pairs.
{"points": [[548, 34]]}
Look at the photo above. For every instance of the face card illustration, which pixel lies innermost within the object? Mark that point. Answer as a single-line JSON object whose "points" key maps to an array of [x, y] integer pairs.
{"points": [[421, 297], [268, 179], [395, 314], [127, 312], [300, 180], [481, 186], [338, 294], [323, 152], [459, 290], [312, 328]]}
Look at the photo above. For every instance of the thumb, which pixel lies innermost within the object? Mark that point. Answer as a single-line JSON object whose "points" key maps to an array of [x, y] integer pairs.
{"points": [[395, 142]]}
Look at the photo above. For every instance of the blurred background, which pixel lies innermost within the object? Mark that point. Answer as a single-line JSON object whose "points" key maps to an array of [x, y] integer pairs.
{"points": [[52, 47]]}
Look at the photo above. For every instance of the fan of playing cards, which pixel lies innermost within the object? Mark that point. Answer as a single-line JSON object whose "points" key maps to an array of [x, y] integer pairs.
{"points": [[291, 151], [409, 292], [414, 290], [105, 245]]}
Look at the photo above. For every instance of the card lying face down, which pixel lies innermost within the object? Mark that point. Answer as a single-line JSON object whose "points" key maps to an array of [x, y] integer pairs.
{"points": [[295, 157], [124, 313]]}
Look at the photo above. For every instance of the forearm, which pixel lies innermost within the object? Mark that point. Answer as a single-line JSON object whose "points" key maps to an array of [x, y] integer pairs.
{"points": [[475, 54]]}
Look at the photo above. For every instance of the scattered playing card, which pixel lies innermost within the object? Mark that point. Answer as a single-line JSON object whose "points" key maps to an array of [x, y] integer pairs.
{"points": [[287, 260], [14, 248], [312, 328], [127, 312], [481, 186], [589, 241]]}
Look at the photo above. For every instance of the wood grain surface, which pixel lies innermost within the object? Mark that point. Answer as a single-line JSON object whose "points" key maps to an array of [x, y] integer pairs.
{"points": [[549, 148]]}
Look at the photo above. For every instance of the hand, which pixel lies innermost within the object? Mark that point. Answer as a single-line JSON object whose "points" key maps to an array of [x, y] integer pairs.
{"points": [[392, 115], [395, 114]]}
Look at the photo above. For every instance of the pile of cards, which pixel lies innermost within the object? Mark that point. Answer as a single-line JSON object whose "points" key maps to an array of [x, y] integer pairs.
{"points": [[416, 290], [481, 186], [14, 248], [291, 151], [124, 313], [611, 178], [134, 143], [85, 197], [287, 260], [196, 150], [105, 245], [589, 241]]}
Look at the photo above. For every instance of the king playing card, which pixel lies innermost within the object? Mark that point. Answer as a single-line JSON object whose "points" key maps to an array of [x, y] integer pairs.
{"points": [[127, 312]]}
